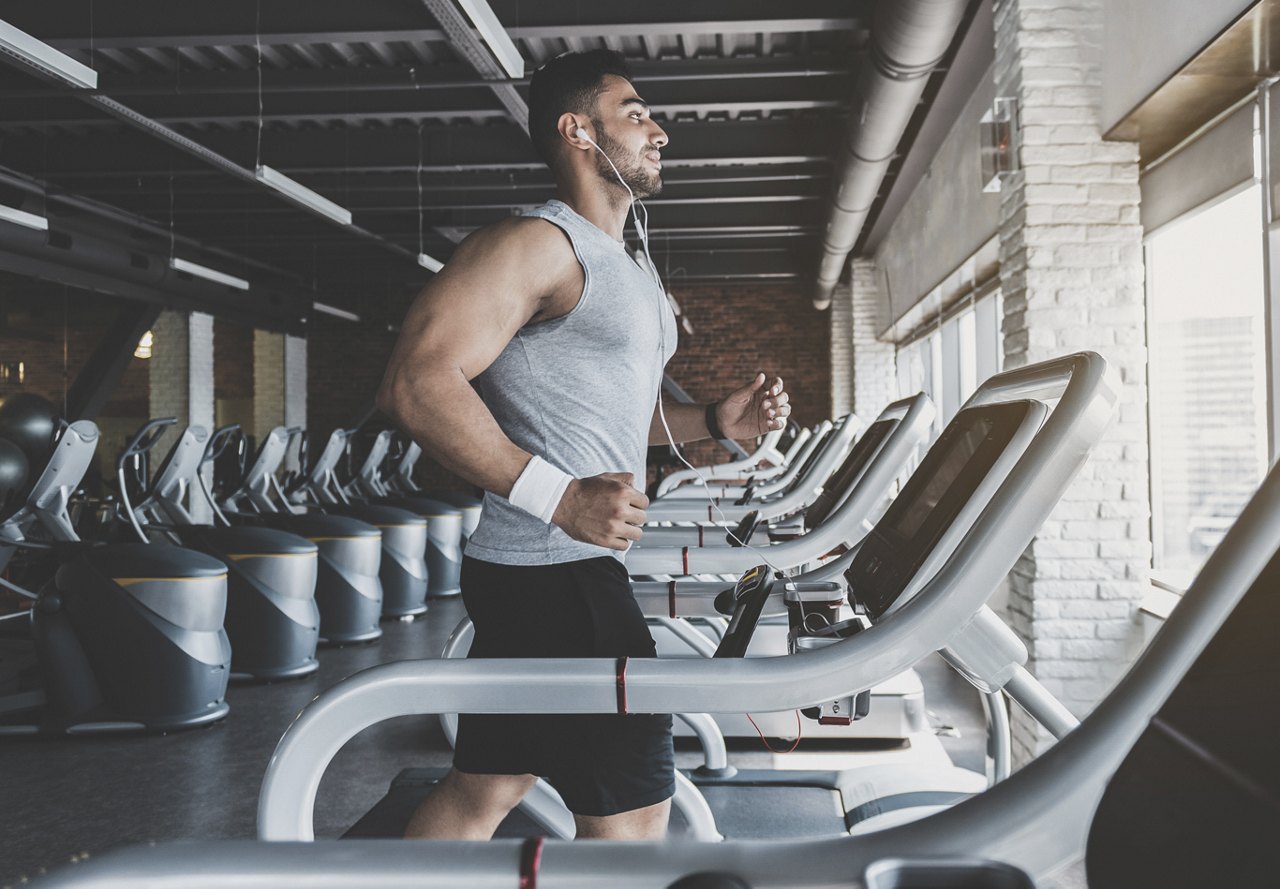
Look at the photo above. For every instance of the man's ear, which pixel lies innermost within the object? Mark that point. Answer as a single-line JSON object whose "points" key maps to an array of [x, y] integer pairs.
{"points": [[568, 126]]}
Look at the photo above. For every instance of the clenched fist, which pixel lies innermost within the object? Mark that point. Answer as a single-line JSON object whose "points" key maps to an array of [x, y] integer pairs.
{"points": [[605, 510]]}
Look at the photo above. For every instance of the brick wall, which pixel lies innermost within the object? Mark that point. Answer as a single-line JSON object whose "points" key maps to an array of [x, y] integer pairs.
{"points": [[1071, 276], [842, 349], [52, 330], [739, 329]]}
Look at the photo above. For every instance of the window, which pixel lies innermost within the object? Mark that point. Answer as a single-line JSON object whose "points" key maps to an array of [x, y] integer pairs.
{"points": [[1206, 377], [950, 361]]}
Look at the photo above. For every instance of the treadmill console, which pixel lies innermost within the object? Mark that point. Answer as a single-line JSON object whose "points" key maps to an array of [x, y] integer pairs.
{"points": [[749, 596], [842, 481], [931, 500]]}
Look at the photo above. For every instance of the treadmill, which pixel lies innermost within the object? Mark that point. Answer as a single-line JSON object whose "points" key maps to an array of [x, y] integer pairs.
{"points": [[975, 503]]}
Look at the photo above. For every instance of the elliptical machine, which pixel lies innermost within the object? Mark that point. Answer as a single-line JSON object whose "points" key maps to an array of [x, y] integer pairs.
{"points": [[272, 618], [448, 526], [404, 572], [128, 636], [348, 590]]}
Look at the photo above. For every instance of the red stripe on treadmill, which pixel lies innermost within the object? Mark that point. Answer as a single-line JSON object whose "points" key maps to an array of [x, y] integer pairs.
{"points": [[684, 559], [530, 861], [699, 539], [622, 685], [671, 596], [710, 517]]}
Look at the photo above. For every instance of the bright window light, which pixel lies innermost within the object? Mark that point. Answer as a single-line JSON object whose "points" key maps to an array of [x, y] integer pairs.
{"points": [[144, 346]]}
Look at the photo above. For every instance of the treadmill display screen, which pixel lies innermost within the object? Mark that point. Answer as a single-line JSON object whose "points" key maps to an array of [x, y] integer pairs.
{"points": [[931, 500], [838, 487]]}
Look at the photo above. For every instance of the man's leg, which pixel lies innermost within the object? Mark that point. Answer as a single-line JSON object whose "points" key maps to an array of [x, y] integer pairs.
{"points": [[467, 807], [649, 823]]}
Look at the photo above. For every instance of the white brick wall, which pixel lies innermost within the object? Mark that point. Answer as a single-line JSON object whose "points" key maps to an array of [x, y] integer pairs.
{"points": [[875, 374], [841, 350], [1071, 276]]}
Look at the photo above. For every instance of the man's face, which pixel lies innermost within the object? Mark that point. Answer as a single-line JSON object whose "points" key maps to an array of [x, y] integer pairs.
{"points": [[629, 137]]}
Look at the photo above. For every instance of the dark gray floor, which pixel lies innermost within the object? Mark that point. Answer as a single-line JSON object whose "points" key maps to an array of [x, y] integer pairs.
{"points": [[62, 797]]}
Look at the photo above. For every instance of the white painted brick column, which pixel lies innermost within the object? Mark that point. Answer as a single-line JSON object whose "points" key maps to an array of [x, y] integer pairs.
{"points": [[181, 380], [295, 389], [875, 373], [1071, 276], [841, 350]]}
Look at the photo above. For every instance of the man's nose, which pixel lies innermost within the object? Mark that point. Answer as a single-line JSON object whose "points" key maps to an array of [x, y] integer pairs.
{"points": [[659, 137]]}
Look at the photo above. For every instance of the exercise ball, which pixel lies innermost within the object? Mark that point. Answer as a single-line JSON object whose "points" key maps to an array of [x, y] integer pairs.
{"points": [[13, 478], [31, 422]]}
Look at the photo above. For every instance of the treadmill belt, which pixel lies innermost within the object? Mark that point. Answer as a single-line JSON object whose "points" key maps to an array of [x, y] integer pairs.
{"points": [[742, 811], [753, 812]]}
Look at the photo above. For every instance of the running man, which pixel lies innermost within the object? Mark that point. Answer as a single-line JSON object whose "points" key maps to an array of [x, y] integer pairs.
{"points": [[565, 335]]}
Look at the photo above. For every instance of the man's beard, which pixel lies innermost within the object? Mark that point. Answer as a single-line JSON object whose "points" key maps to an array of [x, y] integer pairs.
{"points": [[643, 183]]}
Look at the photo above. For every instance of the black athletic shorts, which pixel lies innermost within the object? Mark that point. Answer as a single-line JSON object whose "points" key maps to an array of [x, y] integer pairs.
{"points": [[601, 764]]}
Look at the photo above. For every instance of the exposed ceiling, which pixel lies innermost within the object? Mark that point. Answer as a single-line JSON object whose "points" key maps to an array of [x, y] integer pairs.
{"points": [[395, 110]]}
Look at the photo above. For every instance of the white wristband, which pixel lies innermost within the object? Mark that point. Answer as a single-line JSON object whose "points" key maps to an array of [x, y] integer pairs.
{"points": [[539, 488]]}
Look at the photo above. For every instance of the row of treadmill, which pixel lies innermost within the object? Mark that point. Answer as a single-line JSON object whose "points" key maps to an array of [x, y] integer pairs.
{"points": [[1171, 781], [142, 613]]}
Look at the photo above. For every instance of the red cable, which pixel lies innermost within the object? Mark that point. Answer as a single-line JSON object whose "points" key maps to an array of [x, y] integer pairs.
{"points": [[765, 741], [530, 862], [622, 684], [671, 597]]}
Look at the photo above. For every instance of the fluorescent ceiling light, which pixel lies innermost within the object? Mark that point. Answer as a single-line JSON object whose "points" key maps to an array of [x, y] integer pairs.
{"points": [[44, 57], [430, 263], [21, 217], [335, 312], [302, 195], [200, 271], [495, 36]]}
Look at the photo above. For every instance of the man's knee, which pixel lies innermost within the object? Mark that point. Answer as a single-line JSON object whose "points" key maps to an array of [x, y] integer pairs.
{"points": [[489, 792], [648, 823]]}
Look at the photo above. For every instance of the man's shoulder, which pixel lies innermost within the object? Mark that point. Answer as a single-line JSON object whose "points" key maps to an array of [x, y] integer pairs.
{"points": [[524, 233]]}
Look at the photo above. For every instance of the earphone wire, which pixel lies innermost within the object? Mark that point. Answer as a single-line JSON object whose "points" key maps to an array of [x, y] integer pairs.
{"points": [[643, 231]]}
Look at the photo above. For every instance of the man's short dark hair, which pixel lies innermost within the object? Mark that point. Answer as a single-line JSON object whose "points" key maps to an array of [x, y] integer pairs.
{"points": [[570, 82]]}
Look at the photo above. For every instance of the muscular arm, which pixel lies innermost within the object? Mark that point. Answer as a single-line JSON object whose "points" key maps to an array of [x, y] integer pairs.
{"points": [[498, 280], [747, 412], [688, 422]]}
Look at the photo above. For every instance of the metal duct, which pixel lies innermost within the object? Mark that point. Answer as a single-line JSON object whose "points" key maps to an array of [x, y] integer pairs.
{"points": [[908, 38]]}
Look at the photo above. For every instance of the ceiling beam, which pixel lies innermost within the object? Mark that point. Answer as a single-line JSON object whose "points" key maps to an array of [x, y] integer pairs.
{"points": [[500, 146], [438, 35]]}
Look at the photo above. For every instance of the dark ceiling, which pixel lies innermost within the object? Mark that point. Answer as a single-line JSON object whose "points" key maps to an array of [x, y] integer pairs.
{"points": [[363, 101]]}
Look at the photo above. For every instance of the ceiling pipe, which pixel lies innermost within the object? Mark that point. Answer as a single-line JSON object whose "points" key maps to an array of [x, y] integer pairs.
{"points": [[908, 38]]}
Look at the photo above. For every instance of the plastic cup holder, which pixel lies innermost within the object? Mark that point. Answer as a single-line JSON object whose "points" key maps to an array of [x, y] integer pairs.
{"points": [[945, 874]]}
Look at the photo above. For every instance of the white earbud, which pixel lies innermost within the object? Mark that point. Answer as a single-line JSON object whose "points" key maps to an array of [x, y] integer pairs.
{"points": [[582, 134]]}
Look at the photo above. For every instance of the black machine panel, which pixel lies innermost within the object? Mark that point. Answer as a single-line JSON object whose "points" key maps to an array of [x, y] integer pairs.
{"points": [[838, 486], [930, 501], [749, 597]]}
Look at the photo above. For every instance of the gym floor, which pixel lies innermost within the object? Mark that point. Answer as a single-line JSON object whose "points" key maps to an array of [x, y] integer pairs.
{"points": [[68, 797]]}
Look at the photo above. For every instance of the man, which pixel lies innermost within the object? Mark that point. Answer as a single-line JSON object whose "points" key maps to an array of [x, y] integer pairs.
{"points": [[565, 336]]}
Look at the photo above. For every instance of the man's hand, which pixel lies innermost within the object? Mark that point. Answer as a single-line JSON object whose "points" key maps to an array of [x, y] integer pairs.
{"points": [[605, 510], [754, 409]]}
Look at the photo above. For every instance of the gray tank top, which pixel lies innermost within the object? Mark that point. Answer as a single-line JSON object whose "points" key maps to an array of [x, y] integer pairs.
{"points": [[578, 391]]}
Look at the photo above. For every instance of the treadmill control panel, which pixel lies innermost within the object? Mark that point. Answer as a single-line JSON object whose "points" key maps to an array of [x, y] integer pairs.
{"points": [[931, 500], [749, 596]]}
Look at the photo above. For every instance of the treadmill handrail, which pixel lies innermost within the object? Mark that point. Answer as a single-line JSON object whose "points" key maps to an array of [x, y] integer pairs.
{"points": [[767, 452], [922, 625], [797, 490], [842, 527]]}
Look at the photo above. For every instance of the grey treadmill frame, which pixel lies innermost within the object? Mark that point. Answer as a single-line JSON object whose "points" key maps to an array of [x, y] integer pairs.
{"points": [[942, 611]]}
